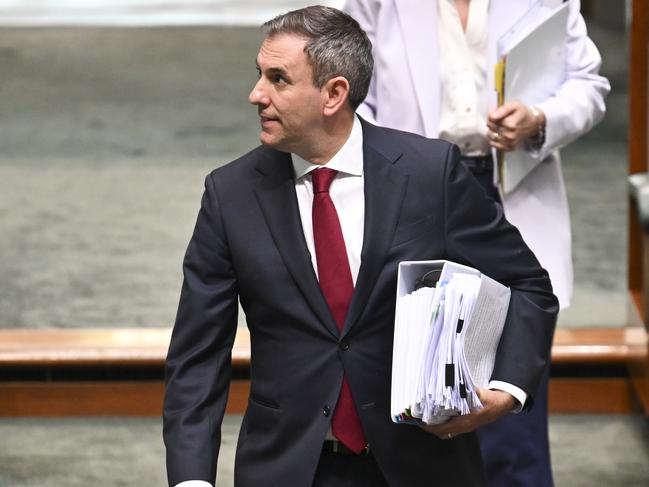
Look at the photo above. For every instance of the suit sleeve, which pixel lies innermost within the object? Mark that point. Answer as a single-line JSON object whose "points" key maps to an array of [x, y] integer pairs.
{"points": [[477, 234], [578, 105], [198, 363]]}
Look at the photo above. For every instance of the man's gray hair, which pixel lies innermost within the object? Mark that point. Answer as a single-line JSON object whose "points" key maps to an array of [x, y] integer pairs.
{"points": [[335, 45]]}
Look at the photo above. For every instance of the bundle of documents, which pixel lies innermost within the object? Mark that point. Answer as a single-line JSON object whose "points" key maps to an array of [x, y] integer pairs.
{"points": [[531, 68], [448, 323]]}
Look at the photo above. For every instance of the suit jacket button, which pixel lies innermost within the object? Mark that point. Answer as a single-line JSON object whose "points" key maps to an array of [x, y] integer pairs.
{"points": [[326, 411], [344, 346]]}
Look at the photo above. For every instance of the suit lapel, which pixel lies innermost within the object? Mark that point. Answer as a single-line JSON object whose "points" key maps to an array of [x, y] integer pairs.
{"points": [[418, 22], [276, 196], [384, 193]]}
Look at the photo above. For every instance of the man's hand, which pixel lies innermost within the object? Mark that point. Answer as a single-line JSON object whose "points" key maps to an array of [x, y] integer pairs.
{"points": [[495, 405], [510, 124]]}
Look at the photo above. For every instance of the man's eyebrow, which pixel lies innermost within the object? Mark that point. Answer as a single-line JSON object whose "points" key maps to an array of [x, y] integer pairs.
{"points": [[281, 71], [272, 70]]}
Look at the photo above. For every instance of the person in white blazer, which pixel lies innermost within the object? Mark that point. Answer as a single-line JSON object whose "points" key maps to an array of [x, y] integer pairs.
{"points": [[405, 93]]}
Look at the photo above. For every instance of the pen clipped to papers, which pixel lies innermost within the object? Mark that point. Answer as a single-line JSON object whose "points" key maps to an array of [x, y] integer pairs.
{"points": [[448, 323]]}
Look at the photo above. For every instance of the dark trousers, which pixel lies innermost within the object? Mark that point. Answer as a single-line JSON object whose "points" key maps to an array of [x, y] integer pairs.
{"points": [[516, 448], [335, 470]]}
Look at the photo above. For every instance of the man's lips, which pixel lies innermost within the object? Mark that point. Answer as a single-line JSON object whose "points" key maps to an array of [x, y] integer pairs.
{"points": [[266, 120]]}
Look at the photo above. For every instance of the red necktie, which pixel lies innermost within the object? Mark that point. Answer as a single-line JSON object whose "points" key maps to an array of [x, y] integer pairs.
{"points": [[338, 287]]}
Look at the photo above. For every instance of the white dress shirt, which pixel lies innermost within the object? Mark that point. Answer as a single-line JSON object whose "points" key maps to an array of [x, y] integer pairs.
{"points": [[347, 194], [463, 76]]}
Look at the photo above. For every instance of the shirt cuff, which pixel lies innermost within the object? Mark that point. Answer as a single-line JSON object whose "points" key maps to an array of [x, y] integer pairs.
{"points": [[194, 483], [519, 394]]}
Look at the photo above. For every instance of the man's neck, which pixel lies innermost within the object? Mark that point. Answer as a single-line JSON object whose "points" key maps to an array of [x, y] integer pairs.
{"points": [[328, 143]]}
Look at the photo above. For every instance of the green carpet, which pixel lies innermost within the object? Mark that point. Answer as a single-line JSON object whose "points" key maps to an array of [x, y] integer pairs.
{"points": [[587, 451]]}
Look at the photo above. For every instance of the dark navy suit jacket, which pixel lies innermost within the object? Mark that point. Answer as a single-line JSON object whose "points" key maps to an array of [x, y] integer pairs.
{"points": [[420, 204]]}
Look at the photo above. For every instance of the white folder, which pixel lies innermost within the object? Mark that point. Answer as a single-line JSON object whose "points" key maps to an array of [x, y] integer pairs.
{"points": [[445, 340], [531, 69]]}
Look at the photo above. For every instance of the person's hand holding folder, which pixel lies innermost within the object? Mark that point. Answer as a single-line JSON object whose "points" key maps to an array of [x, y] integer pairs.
{"points": [[514, 123], [495, 405]]}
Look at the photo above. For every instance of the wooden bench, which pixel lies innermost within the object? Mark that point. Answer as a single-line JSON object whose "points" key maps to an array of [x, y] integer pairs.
{"points": [[119, 371]]}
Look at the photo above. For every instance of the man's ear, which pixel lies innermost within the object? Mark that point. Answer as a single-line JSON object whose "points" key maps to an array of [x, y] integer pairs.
{"points": [[335, 93]]}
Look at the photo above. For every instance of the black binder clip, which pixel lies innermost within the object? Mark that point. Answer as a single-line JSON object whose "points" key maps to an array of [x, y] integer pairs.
{"points": [[429, 279]]}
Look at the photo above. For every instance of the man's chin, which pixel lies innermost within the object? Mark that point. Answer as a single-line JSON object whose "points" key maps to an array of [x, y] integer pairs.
{"points": [[270, 141]]}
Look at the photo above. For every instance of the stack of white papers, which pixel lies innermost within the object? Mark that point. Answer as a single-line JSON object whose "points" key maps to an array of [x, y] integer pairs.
{"points": [[445, 339]]}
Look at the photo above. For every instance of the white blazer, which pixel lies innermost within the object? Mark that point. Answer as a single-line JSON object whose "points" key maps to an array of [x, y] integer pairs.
{"points": [[405, 94]]}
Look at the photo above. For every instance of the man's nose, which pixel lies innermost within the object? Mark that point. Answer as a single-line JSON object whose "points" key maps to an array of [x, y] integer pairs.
{"points": [[258, 96]]}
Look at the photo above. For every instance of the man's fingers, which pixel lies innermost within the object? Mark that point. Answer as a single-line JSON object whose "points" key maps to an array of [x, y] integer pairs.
{"points": [[502, 138], [502, 145], [495, 404], [501, 112], [455, 426]]}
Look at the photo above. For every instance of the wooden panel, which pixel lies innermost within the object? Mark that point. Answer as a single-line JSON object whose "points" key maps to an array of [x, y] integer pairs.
{"points": [[59, 399], [636, 299], [636, 260], [238, 398], [22, 399], [639, 363], [639, 370], [145, 347], [81, 399], [638, 86], [148, 347], [598, 345], [592, 396], [84, 346], [115, 346]]}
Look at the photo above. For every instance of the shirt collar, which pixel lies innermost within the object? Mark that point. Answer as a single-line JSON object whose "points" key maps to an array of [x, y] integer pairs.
{"points": [[348, 160]]}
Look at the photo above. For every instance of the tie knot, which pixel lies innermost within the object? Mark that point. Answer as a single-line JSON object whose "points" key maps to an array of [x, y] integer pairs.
{"points": [[322, 179]]}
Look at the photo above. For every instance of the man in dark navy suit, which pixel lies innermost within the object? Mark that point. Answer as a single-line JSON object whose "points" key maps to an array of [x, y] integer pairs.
{"points": [[307, 231]]}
